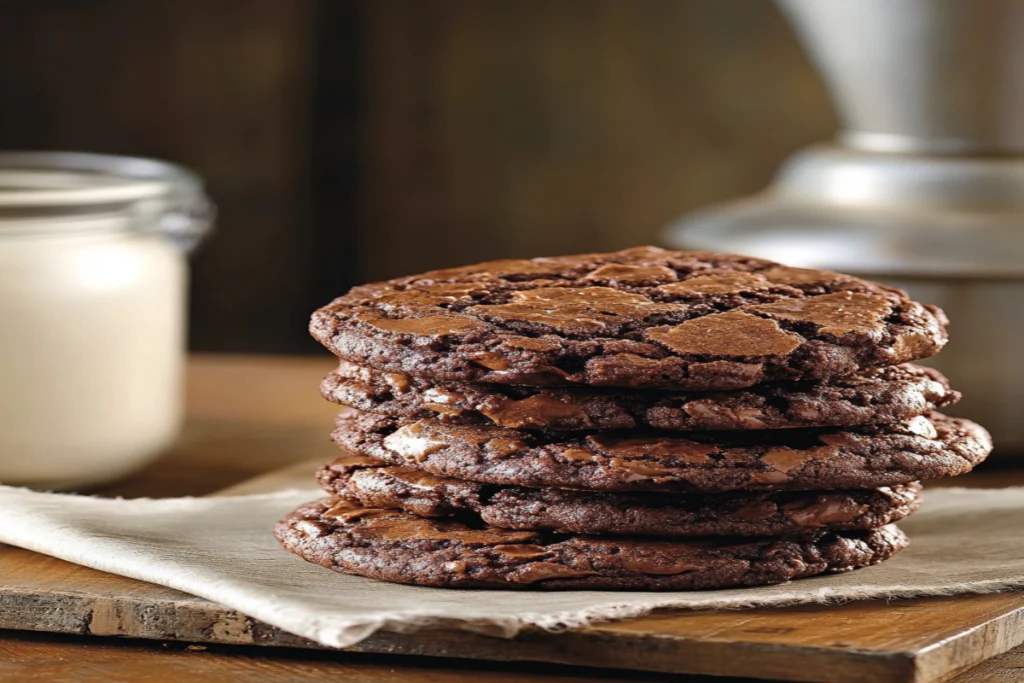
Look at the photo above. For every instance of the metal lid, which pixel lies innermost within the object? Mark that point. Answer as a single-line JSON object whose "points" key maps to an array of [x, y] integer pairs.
{"points": [[168, 198]]}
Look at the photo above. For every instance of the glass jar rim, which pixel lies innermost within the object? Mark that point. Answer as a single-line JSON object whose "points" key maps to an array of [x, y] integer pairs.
{"points": [[64, 180], [152, 195]]}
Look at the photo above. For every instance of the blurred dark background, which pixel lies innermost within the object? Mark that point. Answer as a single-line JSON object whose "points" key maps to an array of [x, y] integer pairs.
{"points": [[348, 140]]}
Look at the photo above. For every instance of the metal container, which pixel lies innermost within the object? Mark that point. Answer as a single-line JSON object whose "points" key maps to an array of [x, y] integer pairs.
{"points": [[924, 187]]}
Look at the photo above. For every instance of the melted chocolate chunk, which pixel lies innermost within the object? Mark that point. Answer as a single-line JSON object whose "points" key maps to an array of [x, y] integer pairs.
{"points": [[733, 334], [836, 314]]}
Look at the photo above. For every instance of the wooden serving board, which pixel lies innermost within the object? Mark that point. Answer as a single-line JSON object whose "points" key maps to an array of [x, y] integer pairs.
{"points": [[905, 641]]}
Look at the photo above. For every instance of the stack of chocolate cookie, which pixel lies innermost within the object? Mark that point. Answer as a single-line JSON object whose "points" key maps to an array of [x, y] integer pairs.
{"points": [[645, 419]]}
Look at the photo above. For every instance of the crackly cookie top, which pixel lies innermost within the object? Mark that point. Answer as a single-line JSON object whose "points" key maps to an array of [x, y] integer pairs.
{"points": [[642, 317], [924, 447], [878, 396]]}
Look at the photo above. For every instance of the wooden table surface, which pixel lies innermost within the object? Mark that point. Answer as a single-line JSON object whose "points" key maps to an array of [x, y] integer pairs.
{"points": [[250, 415]]}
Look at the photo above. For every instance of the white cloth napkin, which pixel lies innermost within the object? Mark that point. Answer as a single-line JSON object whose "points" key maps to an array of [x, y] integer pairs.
{"points": [[963, 541]]}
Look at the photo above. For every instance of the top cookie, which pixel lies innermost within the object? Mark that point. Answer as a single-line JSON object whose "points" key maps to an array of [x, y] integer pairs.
{"points": [[642, 317]]}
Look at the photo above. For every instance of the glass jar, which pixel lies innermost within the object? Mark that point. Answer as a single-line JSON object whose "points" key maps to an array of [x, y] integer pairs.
{"points": [[92, 313]]}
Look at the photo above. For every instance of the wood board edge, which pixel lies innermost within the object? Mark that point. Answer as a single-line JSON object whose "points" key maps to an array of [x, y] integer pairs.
{"points": [[951, 657], [201, 621]]}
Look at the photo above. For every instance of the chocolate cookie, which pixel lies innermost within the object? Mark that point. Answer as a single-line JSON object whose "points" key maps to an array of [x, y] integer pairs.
{"points": [[393, 545], [642, 317], [365, 482], [879, 396], [705, 462]]}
